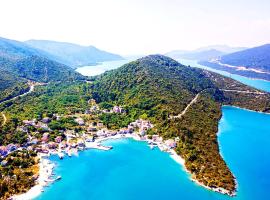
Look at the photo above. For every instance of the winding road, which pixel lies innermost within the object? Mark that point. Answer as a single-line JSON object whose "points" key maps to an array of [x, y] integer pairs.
{"points": [[242, 91], [5, 119], [32, 87], [187, 107]]}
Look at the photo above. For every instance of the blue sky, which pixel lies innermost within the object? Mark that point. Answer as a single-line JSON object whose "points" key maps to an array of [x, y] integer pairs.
{"points": [[139, 26]]}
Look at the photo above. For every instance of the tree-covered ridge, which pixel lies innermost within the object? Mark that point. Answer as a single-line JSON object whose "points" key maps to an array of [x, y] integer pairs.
{"points": [[24, 62], [154, 88], [72, 54], [158, 87], [11, 85], [39, 69]]}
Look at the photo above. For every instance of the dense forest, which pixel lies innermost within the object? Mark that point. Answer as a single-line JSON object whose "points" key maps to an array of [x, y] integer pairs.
{"points": [[154, 88], [157, 87], [11, 85]]}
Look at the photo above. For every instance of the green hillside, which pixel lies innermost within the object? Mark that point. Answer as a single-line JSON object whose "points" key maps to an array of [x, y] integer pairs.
{"points": [[157, 87]]}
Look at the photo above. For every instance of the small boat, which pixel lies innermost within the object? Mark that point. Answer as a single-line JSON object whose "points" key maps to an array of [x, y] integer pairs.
{"points": [[58, 178], [61, 155]]}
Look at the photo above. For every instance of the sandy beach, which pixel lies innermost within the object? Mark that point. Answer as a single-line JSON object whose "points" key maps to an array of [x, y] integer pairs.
{"points": [[45, 171]]}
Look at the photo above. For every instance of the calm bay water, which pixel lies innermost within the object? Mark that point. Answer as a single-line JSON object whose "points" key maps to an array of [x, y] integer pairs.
{"points": [[109, 65], [132, 171], [259, 84], [101, 67]]}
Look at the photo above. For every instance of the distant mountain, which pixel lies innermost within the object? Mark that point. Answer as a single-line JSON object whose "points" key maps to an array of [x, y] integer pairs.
{"points": [[256, 58], [204, 53], [223, 48], [196, 55], [72, 54], [252, 63], [23, 61]]}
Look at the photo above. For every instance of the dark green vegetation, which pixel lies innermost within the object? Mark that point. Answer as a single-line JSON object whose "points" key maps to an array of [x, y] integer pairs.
{"points": [[154, 88], [72, 54], [20, 63], [40, 69], [158, 87], [11, 85], [62, 98], [16, 175]]}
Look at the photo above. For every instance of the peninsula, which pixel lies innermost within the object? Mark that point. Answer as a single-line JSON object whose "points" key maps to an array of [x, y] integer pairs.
{"points": [[153, 98]]}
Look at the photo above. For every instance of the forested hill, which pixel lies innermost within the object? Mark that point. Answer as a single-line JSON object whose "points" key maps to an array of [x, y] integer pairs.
{"points": [[72, 54], [39, 69], [159, 89], [20, 63], [24, 61], [256, 58]]}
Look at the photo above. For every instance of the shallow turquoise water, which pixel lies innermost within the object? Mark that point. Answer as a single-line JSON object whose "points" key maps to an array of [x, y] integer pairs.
{"points": [[132, 171]]}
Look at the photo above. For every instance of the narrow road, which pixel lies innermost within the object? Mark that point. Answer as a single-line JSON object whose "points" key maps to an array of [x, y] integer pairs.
{"points": [[5, 119], [185, 110], [242, 91], [32, 87]]}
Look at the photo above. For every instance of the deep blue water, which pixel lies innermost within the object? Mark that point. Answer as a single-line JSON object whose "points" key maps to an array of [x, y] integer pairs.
{"points": [[132, 171]]}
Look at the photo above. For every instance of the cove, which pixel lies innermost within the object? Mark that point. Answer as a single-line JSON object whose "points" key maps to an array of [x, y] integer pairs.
{"points": [[133, 171]]}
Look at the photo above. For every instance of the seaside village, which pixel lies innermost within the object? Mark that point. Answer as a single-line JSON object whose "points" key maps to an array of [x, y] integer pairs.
{"points": [[88, 133]]}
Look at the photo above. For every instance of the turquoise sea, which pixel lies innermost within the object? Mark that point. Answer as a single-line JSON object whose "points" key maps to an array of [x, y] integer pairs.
{"points": [[133, 171]]}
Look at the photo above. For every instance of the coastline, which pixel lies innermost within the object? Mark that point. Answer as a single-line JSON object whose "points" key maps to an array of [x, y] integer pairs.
{"points": [[235, 73], [246, 109], [45, 172], [46, 169], [178, 159]]}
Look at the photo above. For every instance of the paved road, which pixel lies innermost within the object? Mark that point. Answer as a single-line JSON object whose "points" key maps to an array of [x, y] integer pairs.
{"points": [[246, 92]]}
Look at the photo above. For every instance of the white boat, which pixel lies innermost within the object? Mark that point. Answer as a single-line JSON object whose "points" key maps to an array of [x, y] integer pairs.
{"points": [[61, 155]]}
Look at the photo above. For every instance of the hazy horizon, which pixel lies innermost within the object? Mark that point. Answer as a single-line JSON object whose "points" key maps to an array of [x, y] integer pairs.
{"points": [[130, 27]]}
